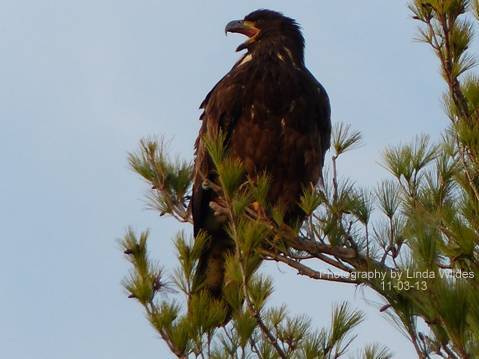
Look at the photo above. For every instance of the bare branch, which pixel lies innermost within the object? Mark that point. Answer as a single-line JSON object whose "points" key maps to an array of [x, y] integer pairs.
{"points": [[305, 270]]}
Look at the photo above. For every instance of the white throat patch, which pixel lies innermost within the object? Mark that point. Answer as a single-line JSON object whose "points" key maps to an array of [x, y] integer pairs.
{"points": [[246, 59]]}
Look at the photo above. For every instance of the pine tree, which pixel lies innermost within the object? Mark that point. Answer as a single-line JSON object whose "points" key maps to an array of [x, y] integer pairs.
{"points": [[419, 229]]}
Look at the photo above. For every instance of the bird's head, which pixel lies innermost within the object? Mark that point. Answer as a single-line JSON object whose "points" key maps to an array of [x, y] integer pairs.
{"points": [[267, 29]]}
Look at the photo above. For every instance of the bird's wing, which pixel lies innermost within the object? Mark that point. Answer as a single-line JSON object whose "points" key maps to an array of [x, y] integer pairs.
{"points": [[221, 109], [323, 113]]}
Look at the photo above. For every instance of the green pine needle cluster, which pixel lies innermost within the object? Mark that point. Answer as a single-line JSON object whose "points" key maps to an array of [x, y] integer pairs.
{"points": [[417, 231], [198, 331]]}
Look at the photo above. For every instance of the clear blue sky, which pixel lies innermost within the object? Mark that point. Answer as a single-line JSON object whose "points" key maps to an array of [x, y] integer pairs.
{"points": [[82, 81]]}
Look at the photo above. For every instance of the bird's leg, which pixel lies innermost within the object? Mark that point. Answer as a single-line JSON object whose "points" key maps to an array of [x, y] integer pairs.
{"points": [[219, 210], [207, 184], [258, 209]]}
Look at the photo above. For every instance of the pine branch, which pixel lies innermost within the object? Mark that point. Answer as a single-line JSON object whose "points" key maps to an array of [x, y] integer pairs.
{"points": [[305, 270]]}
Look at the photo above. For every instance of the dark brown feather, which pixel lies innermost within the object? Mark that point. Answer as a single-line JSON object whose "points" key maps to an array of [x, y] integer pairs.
{"points": [[276, 117]]}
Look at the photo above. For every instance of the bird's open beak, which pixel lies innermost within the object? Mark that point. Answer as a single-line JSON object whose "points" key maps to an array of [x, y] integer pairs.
{"points": [[243, 27]]}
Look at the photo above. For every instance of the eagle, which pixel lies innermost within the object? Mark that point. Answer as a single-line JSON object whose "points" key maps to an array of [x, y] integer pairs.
{"points": [[274, 117]]}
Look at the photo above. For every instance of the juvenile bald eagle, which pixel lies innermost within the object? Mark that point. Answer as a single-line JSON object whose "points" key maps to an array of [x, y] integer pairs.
{"points": [[276, 118]]}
